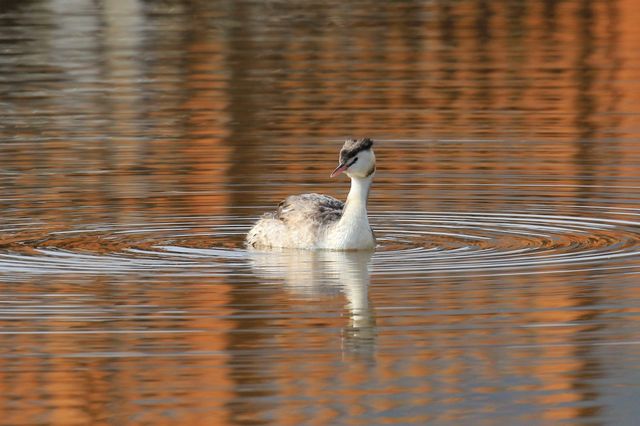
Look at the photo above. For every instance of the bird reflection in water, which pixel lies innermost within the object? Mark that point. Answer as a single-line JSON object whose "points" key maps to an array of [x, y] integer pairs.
{"points": [[317, 274]]}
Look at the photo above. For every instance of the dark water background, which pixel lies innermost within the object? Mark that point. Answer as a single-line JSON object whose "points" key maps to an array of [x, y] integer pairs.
{"points": [[140, 140]]}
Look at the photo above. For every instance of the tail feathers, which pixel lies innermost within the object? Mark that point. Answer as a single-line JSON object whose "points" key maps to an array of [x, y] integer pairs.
{"points": [[266, 233]]}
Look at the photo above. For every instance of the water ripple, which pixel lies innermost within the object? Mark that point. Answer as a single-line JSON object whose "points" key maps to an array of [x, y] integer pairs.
{"points": [[409, 243]]}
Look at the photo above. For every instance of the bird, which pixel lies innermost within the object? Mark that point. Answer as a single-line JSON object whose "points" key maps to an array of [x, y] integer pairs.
{"points": [[321, 222]]}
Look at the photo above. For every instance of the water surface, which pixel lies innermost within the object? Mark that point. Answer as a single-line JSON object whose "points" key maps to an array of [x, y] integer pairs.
{"points": [[140, 140]]}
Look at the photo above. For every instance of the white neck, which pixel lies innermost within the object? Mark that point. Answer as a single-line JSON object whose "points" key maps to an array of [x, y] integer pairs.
{"points": [[356, 205], [353, 232]]}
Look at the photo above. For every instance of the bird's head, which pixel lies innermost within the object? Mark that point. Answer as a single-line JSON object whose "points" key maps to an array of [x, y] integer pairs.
{"points": [[356, 159]]}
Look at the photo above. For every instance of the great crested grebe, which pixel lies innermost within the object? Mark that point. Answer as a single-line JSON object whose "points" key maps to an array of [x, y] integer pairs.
{"points": [[316, 221]]}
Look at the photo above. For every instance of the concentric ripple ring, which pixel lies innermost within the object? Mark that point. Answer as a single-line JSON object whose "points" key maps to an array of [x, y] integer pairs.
{"points": [[409, 243]]}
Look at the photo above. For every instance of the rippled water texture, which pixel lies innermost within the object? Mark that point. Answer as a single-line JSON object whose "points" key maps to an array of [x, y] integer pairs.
{"points": [[141, 139]]}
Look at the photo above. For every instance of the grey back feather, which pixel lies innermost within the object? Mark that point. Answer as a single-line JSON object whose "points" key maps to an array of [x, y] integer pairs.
{"points": [[313, 208]]}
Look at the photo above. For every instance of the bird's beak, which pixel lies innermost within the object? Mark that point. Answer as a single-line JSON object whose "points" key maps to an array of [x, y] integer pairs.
{"points": [[341, 168]]}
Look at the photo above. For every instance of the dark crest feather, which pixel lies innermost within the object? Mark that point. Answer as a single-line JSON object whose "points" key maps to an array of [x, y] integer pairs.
{"points": [[352, 147]]}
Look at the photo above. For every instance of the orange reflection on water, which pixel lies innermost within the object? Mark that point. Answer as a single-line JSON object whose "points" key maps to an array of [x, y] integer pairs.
{"points": [[162, 114]]}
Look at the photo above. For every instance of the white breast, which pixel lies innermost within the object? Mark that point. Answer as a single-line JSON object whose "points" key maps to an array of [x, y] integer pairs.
{"points": [[352, 232]]}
